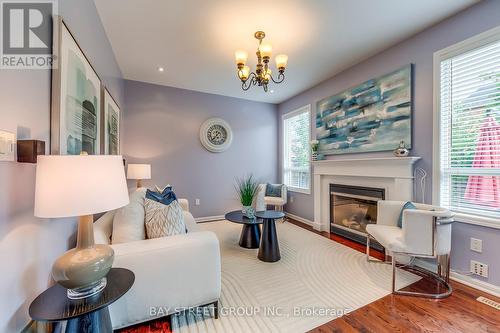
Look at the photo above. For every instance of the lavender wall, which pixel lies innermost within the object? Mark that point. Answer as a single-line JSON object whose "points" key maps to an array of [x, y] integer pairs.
{"points": [[162, 128], [418, 50], [28, 246]]}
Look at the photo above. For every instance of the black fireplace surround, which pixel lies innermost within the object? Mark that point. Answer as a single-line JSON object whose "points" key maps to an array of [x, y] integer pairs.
{"points": [[351, 209]]}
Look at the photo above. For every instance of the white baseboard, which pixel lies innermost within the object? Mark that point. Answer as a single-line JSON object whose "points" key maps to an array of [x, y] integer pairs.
{"points": [[209, 218], [464, 279], [476, 284], [313, 224]]}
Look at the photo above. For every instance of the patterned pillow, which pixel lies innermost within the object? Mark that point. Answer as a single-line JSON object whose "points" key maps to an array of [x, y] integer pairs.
{"points": [[273, 190], [163, 220]]}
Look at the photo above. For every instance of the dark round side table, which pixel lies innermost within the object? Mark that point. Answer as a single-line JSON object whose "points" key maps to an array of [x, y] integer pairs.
{"points": [[269, 250], [83, 315], [250, 232]]}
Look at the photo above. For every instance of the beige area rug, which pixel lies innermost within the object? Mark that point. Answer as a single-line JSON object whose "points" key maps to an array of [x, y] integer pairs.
{"points": [[316, 280]]}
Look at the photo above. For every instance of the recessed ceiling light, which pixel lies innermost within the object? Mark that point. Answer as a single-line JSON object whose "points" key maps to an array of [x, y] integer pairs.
{"points": [[272, 91], [161, 69]]}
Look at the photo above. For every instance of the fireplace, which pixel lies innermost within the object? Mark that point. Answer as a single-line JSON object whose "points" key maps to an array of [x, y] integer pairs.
{"points": [[352, 208]]}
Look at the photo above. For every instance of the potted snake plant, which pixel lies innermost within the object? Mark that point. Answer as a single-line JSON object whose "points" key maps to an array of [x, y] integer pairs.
{"points": [[247, 189]]}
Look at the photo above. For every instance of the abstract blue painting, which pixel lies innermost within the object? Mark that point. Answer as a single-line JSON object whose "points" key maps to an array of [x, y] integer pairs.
{"points": [[373, 116]]}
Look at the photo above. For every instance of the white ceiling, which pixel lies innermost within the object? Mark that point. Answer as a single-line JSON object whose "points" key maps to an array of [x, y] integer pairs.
{"points": [[195, 40]]}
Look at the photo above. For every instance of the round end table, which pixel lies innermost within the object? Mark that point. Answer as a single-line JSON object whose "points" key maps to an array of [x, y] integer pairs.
{"points": [[269, 250], [87, 314], [250, 232]]}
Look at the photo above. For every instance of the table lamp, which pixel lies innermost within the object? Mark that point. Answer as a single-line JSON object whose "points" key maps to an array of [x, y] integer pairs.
{"points": [[139, 172], [72, 185]]}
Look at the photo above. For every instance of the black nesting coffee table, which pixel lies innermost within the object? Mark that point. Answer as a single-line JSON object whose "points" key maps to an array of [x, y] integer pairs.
{"points": [[269, 250], [83, 315], [250, 233]]}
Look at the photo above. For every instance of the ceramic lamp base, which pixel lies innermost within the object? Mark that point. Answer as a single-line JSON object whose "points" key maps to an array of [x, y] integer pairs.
{"points": [[87, 291], [83, 270]]}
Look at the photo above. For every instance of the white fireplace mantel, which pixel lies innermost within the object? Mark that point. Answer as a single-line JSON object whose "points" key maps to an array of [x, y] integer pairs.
{"points": [[394, 174], [393, 167]]}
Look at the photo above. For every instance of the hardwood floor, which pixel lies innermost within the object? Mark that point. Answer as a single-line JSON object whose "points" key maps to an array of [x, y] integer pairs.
{"points": [[460, 312], [393, 313]]}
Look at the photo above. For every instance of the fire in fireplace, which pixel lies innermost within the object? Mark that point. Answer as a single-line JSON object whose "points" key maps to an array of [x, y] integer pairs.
{"points": [[352, 208]]}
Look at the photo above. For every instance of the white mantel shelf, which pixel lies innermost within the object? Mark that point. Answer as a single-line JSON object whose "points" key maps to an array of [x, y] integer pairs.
{"points": [[366, 159], [392, 167], [393, 174]]}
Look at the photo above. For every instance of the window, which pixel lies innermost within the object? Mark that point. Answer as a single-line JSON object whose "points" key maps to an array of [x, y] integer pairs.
{"points": [[296, 151], [468, 119]]}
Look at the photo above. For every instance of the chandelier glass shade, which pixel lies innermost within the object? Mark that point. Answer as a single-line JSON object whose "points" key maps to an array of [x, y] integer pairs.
{"points": [[262, 74]]}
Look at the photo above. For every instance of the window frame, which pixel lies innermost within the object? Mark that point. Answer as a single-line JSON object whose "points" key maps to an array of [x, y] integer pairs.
{"points": [[296, 112], [477, 41]]}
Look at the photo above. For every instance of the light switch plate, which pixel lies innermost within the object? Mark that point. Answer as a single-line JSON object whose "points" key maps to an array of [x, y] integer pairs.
{"points": [[476, 245], [7, 143]]}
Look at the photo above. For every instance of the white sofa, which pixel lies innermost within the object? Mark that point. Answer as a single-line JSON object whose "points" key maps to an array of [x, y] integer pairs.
{"points": [[171, 273]]}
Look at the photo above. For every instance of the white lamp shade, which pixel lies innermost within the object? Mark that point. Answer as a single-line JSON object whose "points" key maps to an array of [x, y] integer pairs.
{"points": [[139, 171], [77, 185]]}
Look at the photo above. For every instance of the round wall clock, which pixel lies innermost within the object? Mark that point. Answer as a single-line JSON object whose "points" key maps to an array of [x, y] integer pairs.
{"points": [[216, 135]]}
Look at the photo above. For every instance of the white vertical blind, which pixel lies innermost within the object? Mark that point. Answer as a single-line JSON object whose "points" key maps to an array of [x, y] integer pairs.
{"points": [[296, 151], [470, 131]]}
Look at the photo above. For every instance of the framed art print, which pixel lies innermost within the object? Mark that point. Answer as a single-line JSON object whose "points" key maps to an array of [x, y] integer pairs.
{"points": [[110, 125], [76, 97], [373, 116]]}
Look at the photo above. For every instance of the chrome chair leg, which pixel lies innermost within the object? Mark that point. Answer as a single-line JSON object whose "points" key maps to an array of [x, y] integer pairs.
{"points": [[393, 262], [439, 277], [444, 267], [448, 268], [368, 239], [439, 265]]}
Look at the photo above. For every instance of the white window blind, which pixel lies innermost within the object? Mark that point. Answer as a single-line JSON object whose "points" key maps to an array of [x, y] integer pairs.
{"points": [[296, 151], [470, 131]]}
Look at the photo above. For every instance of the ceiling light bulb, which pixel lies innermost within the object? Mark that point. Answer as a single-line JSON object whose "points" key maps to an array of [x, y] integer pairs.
{"points": [[161, 69], [281, 61], [241, 57], [244, 72], [267, 76], [266, 50], [272, 91]]}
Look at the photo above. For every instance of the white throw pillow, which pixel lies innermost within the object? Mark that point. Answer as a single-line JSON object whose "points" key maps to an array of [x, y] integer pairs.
{"points": [[128, 224], [163, 220]]}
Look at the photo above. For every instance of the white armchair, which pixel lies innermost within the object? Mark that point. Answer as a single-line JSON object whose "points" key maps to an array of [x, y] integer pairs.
{"points": [[277, 202], [425, 233], [171, 273]]}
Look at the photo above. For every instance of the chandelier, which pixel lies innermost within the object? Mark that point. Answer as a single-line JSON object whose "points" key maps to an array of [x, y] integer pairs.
{"points": [[263, 73]]}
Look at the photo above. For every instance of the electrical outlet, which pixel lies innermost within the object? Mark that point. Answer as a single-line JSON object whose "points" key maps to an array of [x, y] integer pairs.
{"points": [[197, 202], [476, 245], [479, 268], [291, 199]]}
